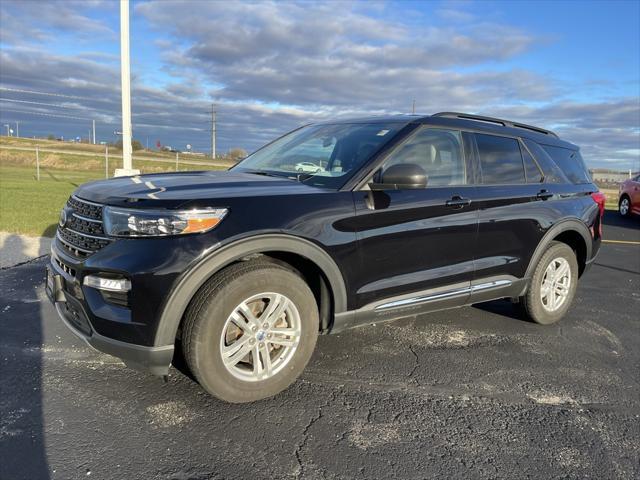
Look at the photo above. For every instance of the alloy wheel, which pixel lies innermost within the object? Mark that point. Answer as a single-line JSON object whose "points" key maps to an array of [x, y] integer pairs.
{"points": [[624, 206], [556, 284], [260, 336]]}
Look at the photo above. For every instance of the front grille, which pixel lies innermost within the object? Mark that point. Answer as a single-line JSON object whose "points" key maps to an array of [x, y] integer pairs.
{"points": [[66, 268], [82, 234], [84, 208]]}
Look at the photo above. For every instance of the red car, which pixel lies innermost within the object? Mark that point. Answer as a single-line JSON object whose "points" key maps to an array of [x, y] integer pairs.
{"points": [[629, 197]]}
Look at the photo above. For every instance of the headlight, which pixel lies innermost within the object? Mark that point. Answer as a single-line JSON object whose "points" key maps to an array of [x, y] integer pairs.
{"points": [[129, 222]]}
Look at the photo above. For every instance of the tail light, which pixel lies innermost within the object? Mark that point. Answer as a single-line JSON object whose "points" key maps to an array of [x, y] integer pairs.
{"points": [[600, 199]]}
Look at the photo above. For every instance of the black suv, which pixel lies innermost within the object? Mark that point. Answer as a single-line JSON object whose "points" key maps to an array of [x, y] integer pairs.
{"points": [[331, 226]]}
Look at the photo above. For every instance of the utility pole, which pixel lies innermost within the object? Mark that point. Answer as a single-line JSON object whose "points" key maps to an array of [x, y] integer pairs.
{"points": [[93, 123], [125, 74], [8, 131], [413, 108], [213, 131], [17, 129]]}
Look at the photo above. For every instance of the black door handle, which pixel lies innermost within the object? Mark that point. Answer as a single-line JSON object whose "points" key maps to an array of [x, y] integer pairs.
{"points": [[458, 202], [544, 194]]}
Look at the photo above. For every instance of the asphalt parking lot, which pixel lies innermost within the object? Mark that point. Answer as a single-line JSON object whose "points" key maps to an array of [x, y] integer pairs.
{"points": [[470, 393]]}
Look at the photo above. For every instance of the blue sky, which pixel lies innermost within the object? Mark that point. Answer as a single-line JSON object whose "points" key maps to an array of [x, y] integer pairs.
{"points": [[571, 66]]}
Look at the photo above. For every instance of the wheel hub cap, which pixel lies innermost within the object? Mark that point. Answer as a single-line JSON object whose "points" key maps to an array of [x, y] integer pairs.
{"points": [[260, 336], [624, 206], [556, 284]]}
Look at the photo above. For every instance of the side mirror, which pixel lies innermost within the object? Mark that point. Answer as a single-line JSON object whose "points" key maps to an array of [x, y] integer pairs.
{"points": [[401, 176]]}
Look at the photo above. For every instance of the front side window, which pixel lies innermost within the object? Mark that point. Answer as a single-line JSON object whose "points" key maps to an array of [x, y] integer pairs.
{"points": [[438, 152], [500, 160], [321, 155]]}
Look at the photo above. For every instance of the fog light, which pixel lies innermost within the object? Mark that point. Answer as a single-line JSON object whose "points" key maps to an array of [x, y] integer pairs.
{"points": [[108, 284]]}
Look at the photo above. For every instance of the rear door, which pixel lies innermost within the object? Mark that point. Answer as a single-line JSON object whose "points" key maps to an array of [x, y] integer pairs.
{"points": [[512, 207], [419, 240]]}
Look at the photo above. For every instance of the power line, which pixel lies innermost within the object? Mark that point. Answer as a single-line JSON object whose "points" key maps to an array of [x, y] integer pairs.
{"points": [[57, 105], [33, 92], [45, 114]]}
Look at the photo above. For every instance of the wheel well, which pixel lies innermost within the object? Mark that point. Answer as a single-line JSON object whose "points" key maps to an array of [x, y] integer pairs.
{"points": [[316, 280], [624, 195], [308, 270], [576, 242]]}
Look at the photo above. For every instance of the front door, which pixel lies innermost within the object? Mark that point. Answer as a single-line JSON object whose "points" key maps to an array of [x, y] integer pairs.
{"points": [[416, 245]]}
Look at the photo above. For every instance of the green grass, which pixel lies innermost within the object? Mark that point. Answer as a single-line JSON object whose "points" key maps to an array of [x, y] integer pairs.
{"points": [[32, 207]]}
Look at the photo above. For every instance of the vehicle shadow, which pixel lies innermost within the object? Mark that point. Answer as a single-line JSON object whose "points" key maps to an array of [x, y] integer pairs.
{"points": [[50, 231], [613, 219], [505, 308], [22, 442]]}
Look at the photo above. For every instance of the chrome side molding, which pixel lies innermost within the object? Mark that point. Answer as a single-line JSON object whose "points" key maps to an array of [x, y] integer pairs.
{"points": [[442, 295]]}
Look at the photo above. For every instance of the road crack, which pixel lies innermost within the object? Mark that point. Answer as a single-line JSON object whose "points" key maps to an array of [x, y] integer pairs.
{"points": [[26, 262], [415, 366], [305, 438]]}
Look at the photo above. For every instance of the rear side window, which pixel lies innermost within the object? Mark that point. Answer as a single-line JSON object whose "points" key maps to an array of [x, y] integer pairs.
{"points": [[500, 159], [571, 163], [552, 173], [534, 174]]}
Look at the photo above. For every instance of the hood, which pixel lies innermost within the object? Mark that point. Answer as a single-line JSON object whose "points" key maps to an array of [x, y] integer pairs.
{"points": [[172, 190]]}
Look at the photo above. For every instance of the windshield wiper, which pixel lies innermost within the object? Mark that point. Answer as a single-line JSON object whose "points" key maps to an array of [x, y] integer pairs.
{"points": [[263, 173], [298, 177]]}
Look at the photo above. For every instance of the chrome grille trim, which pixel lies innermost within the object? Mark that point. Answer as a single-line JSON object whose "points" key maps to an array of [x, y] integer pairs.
{"points": [[82, 234], [107, 239], [86, 219], [70, 245], [82, 200]]}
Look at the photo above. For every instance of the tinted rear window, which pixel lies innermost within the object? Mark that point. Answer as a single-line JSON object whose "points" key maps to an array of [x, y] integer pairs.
{"points": [[571, 163], [500, 159]]}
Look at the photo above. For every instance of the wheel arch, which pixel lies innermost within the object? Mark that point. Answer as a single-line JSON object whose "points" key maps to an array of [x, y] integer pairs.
{"points": [[278, 244], [572, 232]]}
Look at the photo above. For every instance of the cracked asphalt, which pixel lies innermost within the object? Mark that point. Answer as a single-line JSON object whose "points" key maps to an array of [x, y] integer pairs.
{"points": [[470, 393]]}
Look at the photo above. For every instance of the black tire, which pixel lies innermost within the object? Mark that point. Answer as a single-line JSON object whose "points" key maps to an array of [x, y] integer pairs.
{"points": [[626, 213], [532, 302], [213, 304]]}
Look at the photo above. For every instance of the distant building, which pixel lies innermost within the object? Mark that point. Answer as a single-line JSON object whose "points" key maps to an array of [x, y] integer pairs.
{"points": [[603, 175]]}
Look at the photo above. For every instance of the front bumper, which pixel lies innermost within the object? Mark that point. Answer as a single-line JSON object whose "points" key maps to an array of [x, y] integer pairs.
{"points": [[62, 291]]}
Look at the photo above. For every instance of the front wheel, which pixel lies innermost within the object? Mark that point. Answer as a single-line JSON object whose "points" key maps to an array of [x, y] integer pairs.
{"points": [[553, 285], [250, 331], [624, 207]]}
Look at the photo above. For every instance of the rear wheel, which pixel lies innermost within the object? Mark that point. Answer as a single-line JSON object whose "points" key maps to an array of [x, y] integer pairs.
{"points": [[553, 285], [624, 206], [250, 331]]}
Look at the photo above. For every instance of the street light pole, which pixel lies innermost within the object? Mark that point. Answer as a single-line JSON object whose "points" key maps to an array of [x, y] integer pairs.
{"points": [[213, 131], [125, 73]]}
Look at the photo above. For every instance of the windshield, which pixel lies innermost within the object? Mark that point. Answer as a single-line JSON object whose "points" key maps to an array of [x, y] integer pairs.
{"points": [[321, 155]]}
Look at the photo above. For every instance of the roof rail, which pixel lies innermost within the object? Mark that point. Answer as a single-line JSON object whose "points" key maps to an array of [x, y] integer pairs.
{"points": [[499, 121]]}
